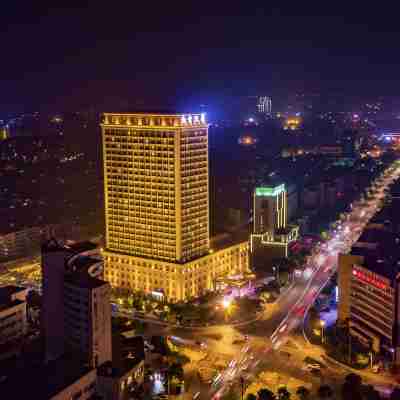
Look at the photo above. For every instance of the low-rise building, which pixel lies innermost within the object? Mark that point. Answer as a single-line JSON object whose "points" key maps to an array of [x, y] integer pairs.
{"points": [[179, 281], [13, 323], [123, 375], [63, 379], [27, 241]]}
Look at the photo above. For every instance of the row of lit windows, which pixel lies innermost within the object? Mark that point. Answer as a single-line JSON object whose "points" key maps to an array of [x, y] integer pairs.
{"points": [[146, 207], [130, 219], [144, 217], [141, 174], [193, 190], [167, 183], [200, 174], [189, 231], [139, 250], [140, 133], [123, 201], [194, 162], [217, 261], [157, 279], [142, 144], [161, 226], [144, 214], [136, 162], [133, 164], [142, 150], [137, 216], [162, 275], [141, 286], [143, 246], [139, 236], [144, 176], [142, 155], [141, 169], [190, 244], [193, 138], [148, 228], [116, 226], [158, 141], [143, 211], [120, 261], [155, 182], [138, 198], [194, 148], [150, 253]]}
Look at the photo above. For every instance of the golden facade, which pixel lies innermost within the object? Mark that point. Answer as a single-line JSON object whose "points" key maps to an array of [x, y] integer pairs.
{"points": [[176, 281], [157, 205], [156, 185]]}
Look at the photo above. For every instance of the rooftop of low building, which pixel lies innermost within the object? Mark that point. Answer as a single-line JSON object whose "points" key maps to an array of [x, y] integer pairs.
{"points": [[6, 293], [45, 380], [225, 240], [73, 247], [127, 354]]}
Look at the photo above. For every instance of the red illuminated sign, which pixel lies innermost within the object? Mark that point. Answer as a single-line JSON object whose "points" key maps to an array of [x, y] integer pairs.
{"points": [[369, 279]]}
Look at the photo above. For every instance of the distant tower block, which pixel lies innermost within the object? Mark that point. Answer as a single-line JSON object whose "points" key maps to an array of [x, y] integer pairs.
{"points": [[264, 105], [270, 208]]}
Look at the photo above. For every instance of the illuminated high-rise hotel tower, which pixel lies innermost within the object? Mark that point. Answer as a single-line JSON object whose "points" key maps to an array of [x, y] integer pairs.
{"points": [[156, 185], [156, 200]]}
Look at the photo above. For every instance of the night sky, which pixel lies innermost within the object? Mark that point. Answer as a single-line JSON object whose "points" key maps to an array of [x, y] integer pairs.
{"points": [[67, 58]]}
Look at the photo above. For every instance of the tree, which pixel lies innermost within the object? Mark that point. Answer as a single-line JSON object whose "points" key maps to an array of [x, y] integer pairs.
{"points": [[251, 396], [265, 394], [265, 296], [283, 394], [175, 370], [371, 393], [325, 392], [303, 393], [351, 388]]}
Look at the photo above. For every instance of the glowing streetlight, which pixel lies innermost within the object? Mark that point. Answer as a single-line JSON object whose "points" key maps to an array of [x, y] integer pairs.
{"points": [[322, 323], [226, 303]]}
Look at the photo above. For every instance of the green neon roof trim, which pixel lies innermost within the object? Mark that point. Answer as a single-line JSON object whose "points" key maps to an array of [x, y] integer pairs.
{"points": [[270, 191]]}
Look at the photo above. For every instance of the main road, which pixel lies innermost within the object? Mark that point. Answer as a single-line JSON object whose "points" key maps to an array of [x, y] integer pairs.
{"points": [[275, 329]]}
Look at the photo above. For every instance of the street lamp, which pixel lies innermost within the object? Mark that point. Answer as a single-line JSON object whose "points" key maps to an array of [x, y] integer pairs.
{"points": [[226, 303], [322, 323]]}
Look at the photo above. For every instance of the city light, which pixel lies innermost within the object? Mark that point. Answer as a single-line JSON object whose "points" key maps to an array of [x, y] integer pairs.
{"points": [[226, 302], [270, 191]]}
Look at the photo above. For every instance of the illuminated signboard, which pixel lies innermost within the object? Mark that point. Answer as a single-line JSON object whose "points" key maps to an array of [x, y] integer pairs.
{"points": [[378, 283], [270, 191]]}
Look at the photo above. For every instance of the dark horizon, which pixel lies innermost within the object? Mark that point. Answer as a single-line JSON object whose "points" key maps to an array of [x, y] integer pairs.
{"points": [[68, 58]]}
